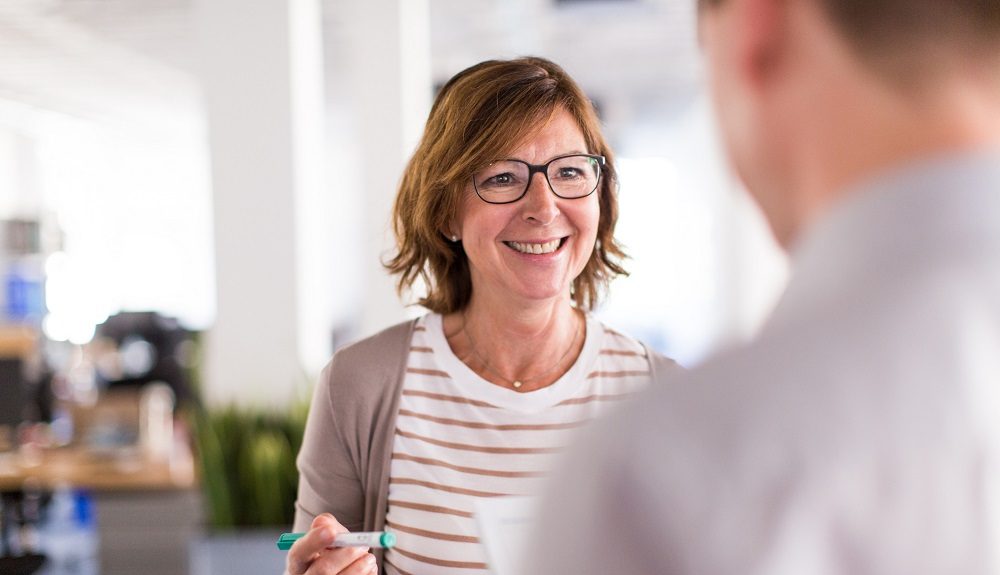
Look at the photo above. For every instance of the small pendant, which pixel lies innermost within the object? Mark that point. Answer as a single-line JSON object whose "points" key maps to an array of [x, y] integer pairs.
{"points": [[517, 385]]}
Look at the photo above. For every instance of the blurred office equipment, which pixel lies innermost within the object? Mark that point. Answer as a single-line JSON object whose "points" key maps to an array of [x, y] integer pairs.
{"points": [[68, 535], [12, 393], [80, 481], [20, 515], [22, 269], [136, 348], [20, 509]]}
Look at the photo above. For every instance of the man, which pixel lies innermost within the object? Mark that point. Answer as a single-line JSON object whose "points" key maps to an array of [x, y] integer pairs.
{"points": [[860, 432]]}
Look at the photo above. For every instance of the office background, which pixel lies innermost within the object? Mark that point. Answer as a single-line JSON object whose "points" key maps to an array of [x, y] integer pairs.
{"points": [[221, 161], [226, 168]]}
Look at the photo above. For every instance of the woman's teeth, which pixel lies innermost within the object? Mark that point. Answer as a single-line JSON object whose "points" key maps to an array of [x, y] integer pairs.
{"points": [[545, 248]]}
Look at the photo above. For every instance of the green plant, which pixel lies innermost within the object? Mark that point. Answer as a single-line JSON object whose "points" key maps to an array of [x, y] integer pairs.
{"points": [[247, 464]]}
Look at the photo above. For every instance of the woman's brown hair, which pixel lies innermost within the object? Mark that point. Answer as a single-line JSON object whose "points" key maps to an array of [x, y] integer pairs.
{"points": [[479, 116]]}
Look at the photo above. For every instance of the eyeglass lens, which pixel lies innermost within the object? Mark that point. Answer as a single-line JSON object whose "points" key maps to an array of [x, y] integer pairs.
{"points": [[507, 180]]}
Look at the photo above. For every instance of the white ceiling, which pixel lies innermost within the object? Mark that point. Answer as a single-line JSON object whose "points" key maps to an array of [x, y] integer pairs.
{"points": [[137, 58], [635, 49]]}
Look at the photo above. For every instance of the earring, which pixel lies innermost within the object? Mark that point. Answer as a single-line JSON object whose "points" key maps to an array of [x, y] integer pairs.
{"points": [[454, 238]]}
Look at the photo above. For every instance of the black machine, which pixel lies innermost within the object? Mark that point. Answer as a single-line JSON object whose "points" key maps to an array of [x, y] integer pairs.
{"points": [[152, 347]]}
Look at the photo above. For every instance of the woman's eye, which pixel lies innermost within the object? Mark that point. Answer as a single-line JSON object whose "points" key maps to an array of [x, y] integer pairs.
{"points": [[569, 173], [500, 180]]}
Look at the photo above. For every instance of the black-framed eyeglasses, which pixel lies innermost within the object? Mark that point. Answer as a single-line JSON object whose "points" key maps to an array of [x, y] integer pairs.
{"points": [[570, 177]]}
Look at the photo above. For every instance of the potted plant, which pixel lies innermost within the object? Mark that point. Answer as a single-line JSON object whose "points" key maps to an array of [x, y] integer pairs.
{"points": [[247, 470]]}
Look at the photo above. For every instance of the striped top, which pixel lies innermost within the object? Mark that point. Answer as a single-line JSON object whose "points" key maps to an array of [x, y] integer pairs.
{"points": [[459, 437]]}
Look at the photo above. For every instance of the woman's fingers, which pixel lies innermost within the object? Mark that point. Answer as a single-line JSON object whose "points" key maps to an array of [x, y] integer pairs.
{"points": [[362, 566], [343, 561], [311, 546], [311, 554], [328, 520]]}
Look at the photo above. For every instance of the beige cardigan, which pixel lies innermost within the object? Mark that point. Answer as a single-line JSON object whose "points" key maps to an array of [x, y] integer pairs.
{"points": [[344, 460]]}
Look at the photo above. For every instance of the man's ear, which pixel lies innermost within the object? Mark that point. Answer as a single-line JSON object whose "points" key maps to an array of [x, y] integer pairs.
{"points": [[763, 39]]}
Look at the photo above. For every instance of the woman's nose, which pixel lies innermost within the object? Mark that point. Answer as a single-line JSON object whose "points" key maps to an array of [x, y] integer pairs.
{"points": [[540, 204]]}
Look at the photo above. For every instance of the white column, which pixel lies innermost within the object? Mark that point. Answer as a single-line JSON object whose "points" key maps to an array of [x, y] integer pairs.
{"points": [[262, 80], [388, 47]]}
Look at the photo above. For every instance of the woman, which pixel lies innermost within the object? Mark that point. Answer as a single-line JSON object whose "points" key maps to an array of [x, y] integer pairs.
{"points": [[506, 212]]}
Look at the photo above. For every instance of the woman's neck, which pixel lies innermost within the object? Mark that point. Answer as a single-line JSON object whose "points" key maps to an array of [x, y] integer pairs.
{"points": [[525, 347]]}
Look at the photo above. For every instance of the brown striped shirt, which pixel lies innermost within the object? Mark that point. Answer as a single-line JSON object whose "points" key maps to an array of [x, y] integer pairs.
{"points": [[459, 438]]}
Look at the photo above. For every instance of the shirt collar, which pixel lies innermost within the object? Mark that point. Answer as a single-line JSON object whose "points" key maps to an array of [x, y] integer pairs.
{"points": [[914, 216]]}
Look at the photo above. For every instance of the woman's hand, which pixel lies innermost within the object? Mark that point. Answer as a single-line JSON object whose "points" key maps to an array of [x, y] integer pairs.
{"points": [[311, 555]]}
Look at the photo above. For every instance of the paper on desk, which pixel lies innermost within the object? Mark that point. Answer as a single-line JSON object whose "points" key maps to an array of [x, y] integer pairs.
{"points": [[505, 524]]}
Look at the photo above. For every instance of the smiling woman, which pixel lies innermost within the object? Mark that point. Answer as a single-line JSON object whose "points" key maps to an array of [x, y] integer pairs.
{"points": [[507, 213], [530, 246], [479, 120]]}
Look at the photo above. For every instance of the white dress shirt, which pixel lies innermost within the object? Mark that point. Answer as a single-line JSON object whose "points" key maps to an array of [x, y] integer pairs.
{"points": [[858, 434]]}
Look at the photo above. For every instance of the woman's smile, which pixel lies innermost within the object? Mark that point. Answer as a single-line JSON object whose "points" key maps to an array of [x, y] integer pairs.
{"points": [[543, 247]]}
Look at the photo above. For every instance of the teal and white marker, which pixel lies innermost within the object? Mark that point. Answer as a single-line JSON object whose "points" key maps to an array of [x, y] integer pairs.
{"points": [[357, 539]]}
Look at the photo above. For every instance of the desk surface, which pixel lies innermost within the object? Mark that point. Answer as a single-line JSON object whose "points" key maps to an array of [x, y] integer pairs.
{"points": [[80, 468]]}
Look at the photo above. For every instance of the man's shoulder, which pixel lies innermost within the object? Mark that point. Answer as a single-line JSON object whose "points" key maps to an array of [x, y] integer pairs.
{"points": [[776, 376]]}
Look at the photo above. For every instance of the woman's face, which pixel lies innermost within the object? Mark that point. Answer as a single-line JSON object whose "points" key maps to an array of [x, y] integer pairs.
{"points": [[502, 240]]}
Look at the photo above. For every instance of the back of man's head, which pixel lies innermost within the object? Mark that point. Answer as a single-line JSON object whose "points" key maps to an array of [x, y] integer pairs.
{"points": [[902, 37], [815, 96]]}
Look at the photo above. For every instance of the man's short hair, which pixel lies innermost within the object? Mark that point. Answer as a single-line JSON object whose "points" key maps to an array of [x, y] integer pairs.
{"points": [[894, 35]]}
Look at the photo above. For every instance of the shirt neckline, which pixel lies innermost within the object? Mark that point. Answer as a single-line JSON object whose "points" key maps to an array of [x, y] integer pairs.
{"points": [[473, 385], [907, 218]]}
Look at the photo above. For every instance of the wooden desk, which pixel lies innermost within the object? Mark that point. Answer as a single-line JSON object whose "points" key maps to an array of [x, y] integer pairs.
{"points": [[147, 512], [79, 468], [17, 341]]}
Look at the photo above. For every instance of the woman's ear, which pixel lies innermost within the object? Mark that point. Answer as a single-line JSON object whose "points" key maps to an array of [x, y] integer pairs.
{"points": [[449, 232]]}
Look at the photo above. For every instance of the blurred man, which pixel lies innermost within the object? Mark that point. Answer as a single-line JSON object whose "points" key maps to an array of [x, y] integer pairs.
{"points": [[860, 433]]}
